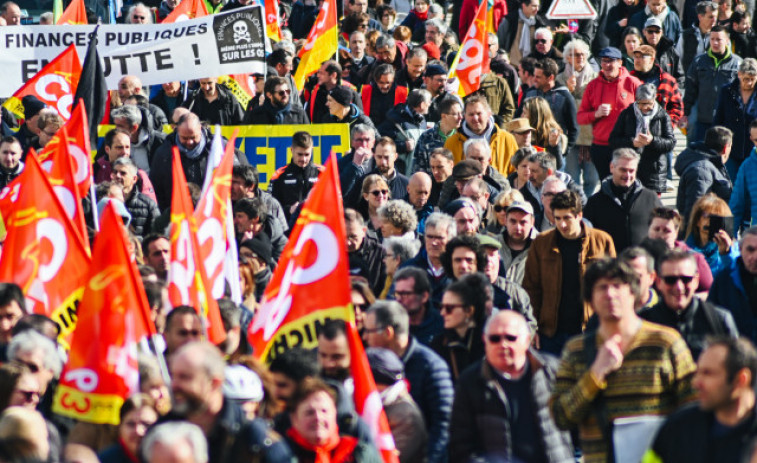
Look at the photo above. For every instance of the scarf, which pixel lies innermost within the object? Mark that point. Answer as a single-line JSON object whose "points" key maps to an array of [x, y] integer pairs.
{"points": [[525, 36], [336, 450], [278, 113], [660, 16], [130, 456], [195, 152], [421, 16], [487, 135], [643, 120], [583, 77]]}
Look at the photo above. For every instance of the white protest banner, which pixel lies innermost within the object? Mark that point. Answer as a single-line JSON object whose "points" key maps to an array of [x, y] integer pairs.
{"points": [[214, 45]]}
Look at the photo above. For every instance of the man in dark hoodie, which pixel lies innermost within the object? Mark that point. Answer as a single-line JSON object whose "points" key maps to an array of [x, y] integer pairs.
{"points": [[277, 108], [291, 184], [404, 124], [342, 110], [29, 129], [622, 206], [701, 167], [10, 160]]}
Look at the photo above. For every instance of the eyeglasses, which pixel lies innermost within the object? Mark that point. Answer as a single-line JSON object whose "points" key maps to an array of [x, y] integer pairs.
{"points": [[380, 192], [188, 333], [449, 308], [498, 338], [139, 17], [364, 25], [540, 41], [359, 307], [498, 208], [673, 279], [29, 395]]}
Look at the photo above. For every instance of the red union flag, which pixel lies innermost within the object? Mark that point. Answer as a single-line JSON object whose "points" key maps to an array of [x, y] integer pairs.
{"points": [[272, 20], [101, 371], [472, 61], [311, 282], [42, 253], [187, 282], [187, 9], [77, 130], [54, 85], [321, 44]]}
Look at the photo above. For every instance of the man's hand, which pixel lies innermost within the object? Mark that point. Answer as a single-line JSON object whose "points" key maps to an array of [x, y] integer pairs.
{"points": [[602, 111], [362, 154], [609, 358], [293, 207], [571, 83], [410, 145], [623, 23]]}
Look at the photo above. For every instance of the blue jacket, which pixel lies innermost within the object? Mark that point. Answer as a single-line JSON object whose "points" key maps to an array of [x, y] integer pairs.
{"points": [[731, 112], [431, 388], [743, 202], [728, 291]]}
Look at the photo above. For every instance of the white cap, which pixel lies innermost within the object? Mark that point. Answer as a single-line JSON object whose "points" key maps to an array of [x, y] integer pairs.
{"points": [[241, 383]]}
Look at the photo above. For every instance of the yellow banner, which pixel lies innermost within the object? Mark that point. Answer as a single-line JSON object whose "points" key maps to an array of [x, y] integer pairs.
{"points": [[87, 406], [268, 147], [302, 332]]}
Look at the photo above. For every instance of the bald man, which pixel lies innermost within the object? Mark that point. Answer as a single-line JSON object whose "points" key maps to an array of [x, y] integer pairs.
{"points": [[11, 14], [418, 193], [525, 379]]}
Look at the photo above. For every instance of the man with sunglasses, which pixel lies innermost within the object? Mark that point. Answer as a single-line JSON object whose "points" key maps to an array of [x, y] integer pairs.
{"points": [[666, 56], [680, 309], [500, 411], [278, 107]]}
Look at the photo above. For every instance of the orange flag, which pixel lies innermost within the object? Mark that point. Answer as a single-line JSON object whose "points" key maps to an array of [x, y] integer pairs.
{"points": [[77, 129], [210, 216], [187, 9], [75, 13], [60, 169], [367, 399], [472, 61], [54, 85], [113, 315], [311, 282], [321, 44], [43, 252], [187, 281], [272, 27]]}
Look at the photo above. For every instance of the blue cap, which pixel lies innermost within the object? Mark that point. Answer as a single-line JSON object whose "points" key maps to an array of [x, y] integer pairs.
{"points": [[610, 52]]}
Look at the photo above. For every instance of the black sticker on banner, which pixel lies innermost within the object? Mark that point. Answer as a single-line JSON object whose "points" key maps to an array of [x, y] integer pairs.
{"points": [[239, 36]]}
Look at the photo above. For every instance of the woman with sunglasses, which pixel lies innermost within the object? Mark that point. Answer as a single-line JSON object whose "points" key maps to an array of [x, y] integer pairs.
{"points": [[718, 248], [501, 203], [376, 193], [362, 297], [463, 308]]}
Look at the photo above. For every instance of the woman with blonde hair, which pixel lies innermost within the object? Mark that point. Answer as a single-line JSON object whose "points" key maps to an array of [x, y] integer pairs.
{"points": [[718, 248], [501, 203], [548, 134], [376, 193]]}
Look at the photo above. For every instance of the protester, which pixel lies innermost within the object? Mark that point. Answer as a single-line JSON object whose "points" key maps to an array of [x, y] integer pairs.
{"points": [[137, 414], [215, 104], [717, 247], [11, 166]]}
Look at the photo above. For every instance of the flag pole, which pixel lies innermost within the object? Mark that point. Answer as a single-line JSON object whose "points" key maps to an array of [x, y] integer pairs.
{"points": [[93, 198], [161, 358]]}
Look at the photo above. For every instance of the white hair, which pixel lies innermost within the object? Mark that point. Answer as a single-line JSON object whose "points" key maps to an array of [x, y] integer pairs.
{"points": [[477, 141], [173, 433], [31, 341], [545, 32]]}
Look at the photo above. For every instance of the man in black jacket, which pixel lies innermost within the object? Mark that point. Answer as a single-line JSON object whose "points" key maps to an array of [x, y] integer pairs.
{"points": [[679, 308], [215, 104], [291, 184], [667, 57], [10, 160], [143, 210], [723, 423], [622, 206], [278, 108], [367, 248], [145, 140]]}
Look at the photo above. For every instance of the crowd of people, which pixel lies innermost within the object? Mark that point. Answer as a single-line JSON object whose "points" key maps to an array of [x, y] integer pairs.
{"points": [[522, 291]]}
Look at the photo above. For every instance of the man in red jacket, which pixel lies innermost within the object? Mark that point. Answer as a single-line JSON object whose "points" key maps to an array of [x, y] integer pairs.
{"points": [[605, 98]]}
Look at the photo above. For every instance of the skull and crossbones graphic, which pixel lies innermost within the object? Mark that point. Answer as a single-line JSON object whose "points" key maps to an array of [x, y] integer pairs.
{"points": [[241, 33]]}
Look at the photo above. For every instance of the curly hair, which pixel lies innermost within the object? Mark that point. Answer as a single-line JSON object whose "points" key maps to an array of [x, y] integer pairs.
{"points": [[463, 241], [400, 214]]}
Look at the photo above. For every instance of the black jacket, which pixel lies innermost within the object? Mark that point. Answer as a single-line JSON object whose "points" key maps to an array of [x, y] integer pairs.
{"points": [[372, 253], [687, 436], [267, 114], [292, 183], [8, 176], [695, 323], [653, 166], [702, 171], [669, 61], [480, 428], [354, 117], [161, 100], [224, 110], [143, 212]]}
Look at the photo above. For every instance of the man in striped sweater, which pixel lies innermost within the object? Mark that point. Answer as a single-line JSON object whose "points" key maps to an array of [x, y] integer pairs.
{"points": [[625, 368]]}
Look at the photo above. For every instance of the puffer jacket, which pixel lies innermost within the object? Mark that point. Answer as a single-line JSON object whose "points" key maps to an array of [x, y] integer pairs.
{"points": [[403, 124], [653, 166], [143, 212], [728, 291], [705, 77], [268, 114], [743, 201], [731, 112], [480, 428], [619, 93], [669, 61], [702, 171]]}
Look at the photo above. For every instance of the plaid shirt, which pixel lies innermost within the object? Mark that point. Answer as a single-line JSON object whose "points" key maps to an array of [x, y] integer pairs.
{"points": [[668, 94]]}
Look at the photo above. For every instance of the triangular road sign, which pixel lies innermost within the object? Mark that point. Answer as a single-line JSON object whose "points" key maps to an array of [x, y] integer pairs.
{"points": [[571, 9]]}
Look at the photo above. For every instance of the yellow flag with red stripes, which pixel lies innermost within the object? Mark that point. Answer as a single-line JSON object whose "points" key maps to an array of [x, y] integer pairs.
{"points": [[322, 43]]}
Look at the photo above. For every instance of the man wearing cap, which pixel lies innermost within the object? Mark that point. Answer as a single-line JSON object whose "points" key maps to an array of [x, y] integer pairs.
{"points": [[382, 93], [516, 31], [708, 73], [404, 416], [695, 40], [521, 130], [659, 10], [244, 388], [667, 56], [435, 80], [501, 409], [479, 123], [467, 215], [343, 110], [463, 172], [29, 129], [622, 206], [450, 113], [516, 238], [605, 97], [649, 72], [328, 77]]}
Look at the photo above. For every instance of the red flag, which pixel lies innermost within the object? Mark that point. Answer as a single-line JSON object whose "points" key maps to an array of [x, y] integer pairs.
{"points": [[311, 282], [272, 20], [210, 216], [187, 9], [75, 13], [54, 85], [79, 148], [187, 281], [60, 169], [472, 61], [102, 367], [321, 44], [42, 253], [367, 400]]}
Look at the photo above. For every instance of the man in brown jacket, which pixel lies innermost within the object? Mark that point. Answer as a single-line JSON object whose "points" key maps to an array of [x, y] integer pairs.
{"points": [[556, 263]]}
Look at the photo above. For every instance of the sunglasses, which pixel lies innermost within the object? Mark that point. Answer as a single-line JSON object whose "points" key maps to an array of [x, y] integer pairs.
{"points": [[380, 192], [498, 208], [654, 31], [498, 338], [673, 279], [540, 41], [449, 308], [283, 92]]}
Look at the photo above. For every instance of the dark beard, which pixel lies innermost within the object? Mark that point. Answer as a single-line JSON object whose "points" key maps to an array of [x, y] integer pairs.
{"points": [[340, 374]]}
